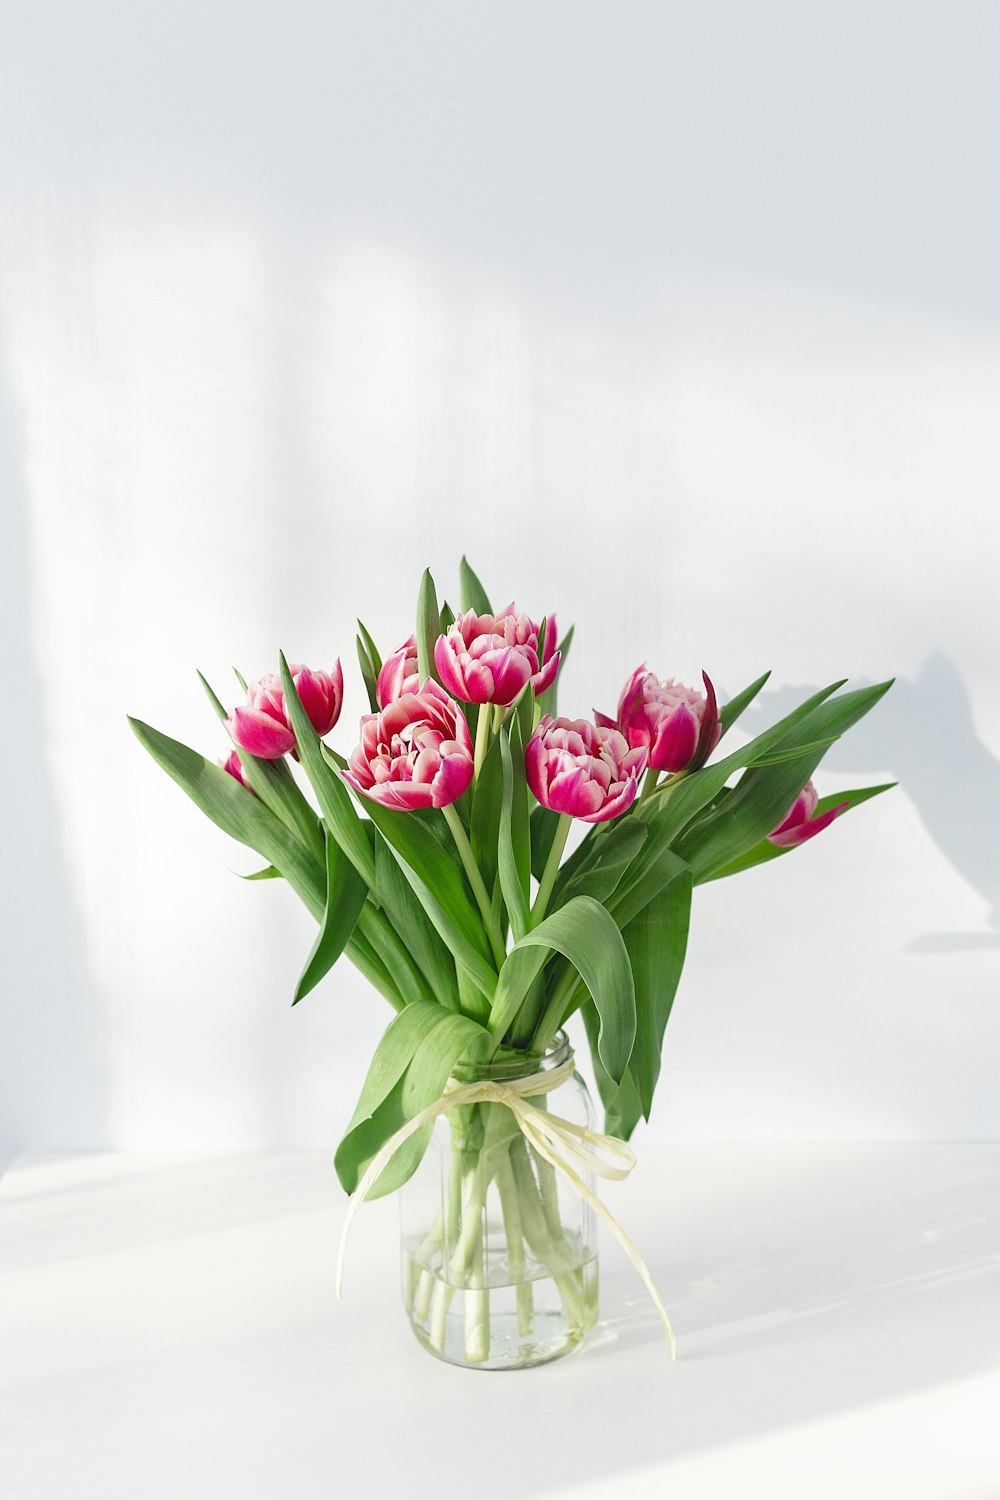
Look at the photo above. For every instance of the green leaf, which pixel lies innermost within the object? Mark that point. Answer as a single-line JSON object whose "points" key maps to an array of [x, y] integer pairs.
{"points": [[656, 940], [764, 794], [484, 824], [622, 1106], [369, 675], [447, 617], [472, 595], [763, 852], [514, 850], [544, 823], [412, 1063], [370, 648], [584, 933], [329, 786], [436, 882], [730, 712], [268, 873], [345, 896], [600, 872], [428, 626], [780, 756], [367, 961], [237, 812], [414, 927]]}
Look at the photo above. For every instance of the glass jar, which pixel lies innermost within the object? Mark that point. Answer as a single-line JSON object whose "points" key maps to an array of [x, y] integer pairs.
{"points": [[499, 1250]]}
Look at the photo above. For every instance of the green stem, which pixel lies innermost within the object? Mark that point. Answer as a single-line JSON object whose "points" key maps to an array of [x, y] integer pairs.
{"points": [[649, 784], [482, 736], [553, 1015], [468, 859], [551, 870]]}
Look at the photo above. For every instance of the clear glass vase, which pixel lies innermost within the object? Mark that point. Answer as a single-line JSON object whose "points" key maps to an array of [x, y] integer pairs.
{"points": [[499, 1250]]}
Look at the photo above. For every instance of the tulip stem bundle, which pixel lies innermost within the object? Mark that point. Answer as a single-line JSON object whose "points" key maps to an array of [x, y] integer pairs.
{"points": [[419, 853]]}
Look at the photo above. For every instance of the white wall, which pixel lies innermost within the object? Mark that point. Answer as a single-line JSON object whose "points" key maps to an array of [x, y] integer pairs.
{"points": [[682, 319]]}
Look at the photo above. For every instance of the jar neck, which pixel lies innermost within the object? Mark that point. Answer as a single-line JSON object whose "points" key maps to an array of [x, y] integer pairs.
{"points": [[508, 1066]]}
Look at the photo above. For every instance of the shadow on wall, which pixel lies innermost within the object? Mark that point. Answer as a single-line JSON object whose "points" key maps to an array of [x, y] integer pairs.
{"points": [[948, 773], [53, 1020]]}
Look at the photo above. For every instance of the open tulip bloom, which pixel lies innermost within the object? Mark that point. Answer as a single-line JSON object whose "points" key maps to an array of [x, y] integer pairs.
{"points": [[432, 850]]}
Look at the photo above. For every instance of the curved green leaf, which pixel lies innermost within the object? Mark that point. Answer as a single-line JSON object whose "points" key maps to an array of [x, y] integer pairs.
{"points": [[428, 626], [439, 887], [329, 786], [346, 893], [584, 933], [411, 1066], [471, 593], [762, 852]]}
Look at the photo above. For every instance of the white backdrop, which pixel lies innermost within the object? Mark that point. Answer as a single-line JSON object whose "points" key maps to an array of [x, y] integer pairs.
{"points": [[682, 319]]}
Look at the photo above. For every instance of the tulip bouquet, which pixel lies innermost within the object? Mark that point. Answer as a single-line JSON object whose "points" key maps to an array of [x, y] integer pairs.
{"points": [[435, 857]]}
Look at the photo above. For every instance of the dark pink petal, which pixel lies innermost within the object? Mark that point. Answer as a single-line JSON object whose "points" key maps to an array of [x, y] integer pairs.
{"points": [[801, 832], [259, 734], [510, 672], [452, 779], [547, 676], [676, 740], [708, 736], [614, 806], [603, 722], [402, 796], [317, 700], [449, 669], [630, 699], [551, 639]]}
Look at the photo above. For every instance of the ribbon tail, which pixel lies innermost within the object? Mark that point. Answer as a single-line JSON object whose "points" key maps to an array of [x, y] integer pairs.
{"points": [[591, 1198]]}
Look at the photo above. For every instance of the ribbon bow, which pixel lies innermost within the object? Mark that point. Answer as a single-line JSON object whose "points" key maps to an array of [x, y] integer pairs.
{"points": [[566, 1146]]}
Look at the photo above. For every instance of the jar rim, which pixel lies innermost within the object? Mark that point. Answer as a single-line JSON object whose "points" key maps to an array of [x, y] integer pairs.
{"points": [[517, 1066]]}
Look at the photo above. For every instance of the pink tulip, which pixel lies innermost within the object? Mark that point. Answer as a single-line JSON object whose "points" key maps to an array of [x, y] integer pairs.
{"points": [[263, 727], [800, 821], [678, 725], [234, 766], [583, 769], [399, 674], [489, 658], [416, 753]]}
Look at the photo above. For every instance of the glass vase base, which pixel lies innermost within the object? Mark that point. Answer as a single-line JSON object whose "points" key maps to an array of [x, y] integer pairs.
{"points": [[506, 1325]]}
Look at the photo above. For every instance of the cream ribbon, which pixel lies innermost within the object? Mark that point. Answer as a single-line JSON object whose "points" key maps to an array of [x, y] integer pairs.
{"points": [[561, 1143]]}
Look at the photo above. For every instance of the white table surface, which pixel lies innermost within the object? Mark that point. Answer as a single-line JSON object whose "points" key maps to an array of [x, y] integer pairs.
{"points": [[168, 1328]]}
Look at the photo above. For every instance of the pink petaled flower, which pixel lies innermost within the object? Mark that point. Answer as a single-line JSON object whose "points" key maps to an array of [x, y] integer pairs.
{"points": [[234, 766], [416, 753], [583, 769], [678, 725], [489, 658], [800, 821], [399, 674], [263, 727]]}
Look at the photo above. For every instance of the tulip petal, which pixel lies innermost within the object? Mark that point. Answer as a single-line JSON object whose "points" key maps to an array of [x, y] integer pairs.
{"points": [[802, 832], [258, 734], [675, 741], [547, 676]]}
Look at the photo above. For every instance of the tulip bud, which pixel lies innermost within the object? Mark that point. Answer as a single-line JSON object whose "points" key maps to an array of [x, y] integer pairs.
{"points": [[800, 822], [489, 658], [263, 727], [234, 766], [416, 753], [399, 673], [678, 725], [582, 769]]}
